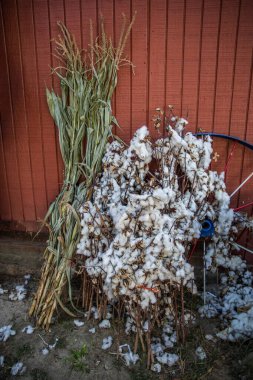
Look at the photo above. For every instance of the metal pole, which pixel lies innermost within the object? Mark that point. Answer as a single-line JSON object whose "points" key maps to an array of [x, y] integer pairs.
{"points": [[204, 271], [241, 185]]}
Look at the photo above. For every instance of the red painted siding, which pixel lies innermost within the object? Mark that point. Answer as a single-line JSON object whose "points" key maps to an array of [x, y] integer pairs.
{"points": [[194, 54]]}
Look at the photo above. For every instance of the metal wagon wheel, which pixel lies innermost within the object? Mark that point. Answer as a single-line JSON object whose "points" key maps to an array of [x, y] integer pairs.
{"points": [[234, 157]]}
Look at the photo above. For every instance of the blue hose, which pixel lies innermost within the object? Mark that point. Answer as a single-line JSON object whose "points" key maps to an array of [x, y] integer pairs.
{"points": [[207, 228]]}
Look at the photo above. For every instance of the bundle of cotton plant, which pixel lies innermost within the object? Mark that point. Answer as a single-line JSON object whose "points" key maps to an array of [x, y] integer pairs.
{"points": [[82, 113], [138, 228]]}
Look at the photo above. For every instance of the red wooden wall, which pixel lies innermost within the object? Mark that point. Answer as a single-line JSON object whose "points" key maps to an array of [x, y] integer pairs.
{"points": [[194, 54]]}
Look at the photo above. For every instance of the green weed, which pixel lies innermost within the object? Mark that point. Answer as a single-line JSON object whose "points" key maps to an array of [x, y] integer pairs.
{"points": [[77, 359]]}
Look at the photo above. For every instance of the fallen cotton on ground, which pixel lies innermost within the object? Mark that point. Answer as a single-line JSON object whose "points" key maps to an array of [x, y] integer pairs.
{"points": [[111, 364], [233, 304]]}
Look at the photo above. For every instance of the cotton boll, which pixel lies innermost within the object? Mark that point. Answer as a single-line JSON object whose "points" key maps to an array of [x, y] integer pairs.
{"points": [[78, 323], [28, 329], [108, 315], [167, 342], [152, 297], [140, 145], [105, 324], [6, 332], [180, 125], [1, 290], [107, 342], [180, 273], [131, 358], [145, 326], [19, 295], [209, 311], [18, 369], [200, 353], [157, 349], [210, 337], [128, 355], [196, 228], [169, 359], [94, 311], [167, 328], [156, 367]]}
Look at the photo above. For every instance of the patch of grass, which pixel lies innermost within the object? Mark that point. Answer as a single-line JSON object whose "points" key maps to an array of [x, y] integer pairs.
{"points": [[77, 359], [39, 374]]}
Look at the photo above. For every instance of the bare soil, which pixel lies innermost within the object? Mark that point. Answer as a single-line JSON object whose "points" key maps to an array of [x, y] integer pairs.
{"points": [[224, 361]]}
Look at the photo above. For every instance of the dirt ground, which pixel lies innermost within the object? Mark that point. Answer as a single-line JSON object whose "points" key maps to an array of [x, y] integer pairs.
{"points": [[78, 353]]}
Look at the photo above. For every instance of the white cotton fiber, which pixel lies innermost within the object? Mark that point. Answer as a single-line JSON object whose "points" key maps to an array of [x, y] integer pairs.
{"points": [[6, 332], [105, 324], [78, 323], [200, 353], [28, 329], [1, 361], [18, 369], [168, 359], [141, 225], [156, 367], [107, 342]]}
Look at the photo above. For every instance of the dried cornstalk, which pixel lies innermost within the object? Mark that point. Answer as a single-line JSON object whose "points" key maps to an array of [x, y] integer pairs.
{"points": [[82, 111]]}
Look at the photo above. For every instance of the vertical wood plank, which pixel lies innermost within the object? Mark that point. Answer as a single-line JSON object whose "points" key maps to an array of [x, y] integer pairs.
{"points": [[240, 91], [157, 58], [139, 47], [246, 193], [14, 58], [224, 78], [106, 11], [28, 50], [175, 53], [241, 94], [209, 63], [42, 38], [56, 14], [191, 60], [123, 91], [5, 206], [8, 164]]}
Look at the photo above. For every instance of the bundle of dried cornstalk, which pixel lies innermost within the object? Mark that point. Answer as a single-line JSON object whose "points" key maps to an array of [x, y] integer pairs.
{"points": [[82, 114]]}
